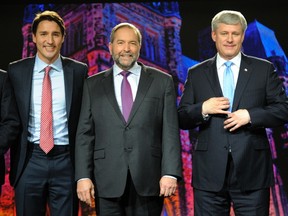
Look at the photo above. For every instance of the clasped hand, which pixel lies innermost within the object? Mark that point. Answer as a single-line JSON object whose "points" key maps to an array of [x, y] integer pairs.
{"points": [[219, 105]]}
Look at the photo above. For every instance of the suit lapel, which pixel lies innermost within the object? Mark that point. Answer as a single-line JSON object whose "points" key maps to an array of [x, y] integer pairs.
{"points": [[244, 75], [26, 78], [110, 92], [68, 82], [212, 75], [144, 84]]}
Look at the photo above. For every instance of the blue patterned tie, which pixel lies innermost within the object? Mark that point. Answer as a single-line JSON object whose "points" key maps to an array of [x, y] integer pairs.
{"points": [[228, 83], [126, 95]]}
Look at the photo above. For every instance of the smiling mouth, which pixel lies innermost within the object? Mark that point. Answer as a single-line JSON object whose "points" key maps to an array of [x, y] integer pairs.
{"points": [[49, 49], [126, 55]]}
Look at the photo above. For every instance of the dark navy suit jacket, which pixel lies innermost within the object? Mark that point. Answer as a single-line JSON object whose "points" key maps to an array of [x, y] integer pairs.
{"points": [[20, 73], [261, 92]]}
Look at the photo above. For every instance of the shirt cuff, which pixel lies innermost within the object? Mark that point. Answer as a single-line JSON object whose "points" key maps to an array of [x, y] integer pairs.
{"points": [[205, 116], [169, 176]]}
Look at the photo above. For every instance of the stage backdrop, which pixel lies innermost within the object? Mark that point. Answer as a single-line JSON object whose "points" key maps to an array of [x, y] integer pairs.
{"points": [[88, 30]]}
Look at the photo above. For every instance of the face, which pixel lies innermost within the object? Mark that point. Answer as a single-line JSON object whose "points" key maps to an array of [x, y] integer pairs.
{"points": [[228, 40], [48, 40], [125, 49]]}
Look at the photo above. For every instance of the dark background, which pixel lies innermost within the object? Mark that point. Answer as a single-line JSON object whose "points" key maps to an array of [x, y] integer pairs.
{"points": [[196, 15]]}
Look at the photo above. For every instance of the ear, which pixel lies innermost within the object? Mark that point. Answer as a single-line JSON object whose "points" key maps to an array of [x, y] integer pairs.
{"points": [[110, 48], [34, 38], [213, 36], [63, 38], [243, 36]]}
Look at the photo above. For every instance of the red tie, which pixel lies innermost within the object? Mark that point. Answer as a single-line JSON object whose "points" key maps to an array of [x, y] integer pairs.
{"points": [[46, 127], [126, 95]]}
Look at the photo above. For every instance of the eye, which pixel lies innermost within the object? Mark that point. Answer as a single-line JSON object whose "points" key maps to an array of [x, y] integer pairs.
{"points": [[236, 33]]}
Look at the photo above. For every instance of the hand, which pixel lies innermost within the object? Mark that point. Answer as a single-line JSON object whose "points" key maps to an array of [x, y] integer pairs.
{"points": [[168, 186], [216, 105], [237, 119], [85, 191]]}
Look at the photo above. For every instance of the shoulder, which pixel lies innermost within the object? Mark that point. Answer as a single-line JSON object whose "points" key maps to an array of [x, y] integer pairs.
{"points": [[101, 74], [199, 69], [153, 71], [73, 62], [256, 60], [22, 62], [80, 68], [204, 64], [3, 74]]}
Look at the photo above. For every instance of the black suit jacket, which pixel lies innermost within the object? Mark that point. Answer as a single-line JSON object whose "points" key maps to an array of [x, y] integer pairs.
{"points": [[261, 92], [148, 145], [20, 73], [9, 120]]}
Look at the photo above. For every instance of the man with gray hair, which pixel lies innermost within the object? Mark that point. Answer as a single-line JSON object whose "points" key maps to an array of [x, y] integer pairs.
{"points": [[231, 98]]}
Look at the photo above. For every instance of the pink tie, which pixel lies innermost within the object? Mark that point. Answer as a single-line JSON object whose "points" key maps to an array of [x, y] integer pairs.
{"points": [[46, 128], [126, 95]]}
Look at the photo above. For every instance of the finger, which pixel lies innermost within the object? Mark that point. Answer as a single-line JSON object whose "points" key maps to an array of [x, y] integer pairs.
{"points": [[93, 193], [168, 193], [81, 196], [234, 128], [162, 192]]}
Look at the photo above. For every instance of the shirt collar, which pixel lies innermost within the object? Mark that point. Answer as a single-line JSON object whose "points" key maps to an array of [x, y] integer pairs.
{"points": [[136, 69], [236, 60], [40, 65]]}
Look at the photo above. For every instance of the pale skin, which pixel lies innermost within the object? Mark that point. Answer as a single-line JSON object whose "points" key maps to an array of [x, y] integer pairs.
{"points": [[125, 50], [228, 40], [48, 40]]}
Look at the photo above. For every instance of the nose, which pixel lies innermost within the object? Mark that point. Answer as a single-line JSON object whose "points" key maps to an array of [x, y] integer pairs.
{"points": [[229, 37], [50, 38], [127, 47]]}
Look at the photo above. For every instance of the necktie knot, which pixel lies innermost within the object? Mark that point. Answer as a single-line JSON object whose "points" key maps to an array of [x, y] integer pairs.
{"points": [[125, 73], [47, 69], [228, 63]]}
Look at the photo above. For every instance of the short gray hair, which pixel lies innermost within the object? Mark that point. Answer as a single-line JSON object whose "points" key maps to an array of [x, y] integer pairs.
{"points": [[229, 17]]}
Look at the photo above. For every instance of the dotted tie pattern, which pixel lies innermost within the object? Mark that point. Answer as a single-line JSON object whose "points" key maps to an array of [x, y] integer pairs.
{"points": [[126, 95], [46, 128]]}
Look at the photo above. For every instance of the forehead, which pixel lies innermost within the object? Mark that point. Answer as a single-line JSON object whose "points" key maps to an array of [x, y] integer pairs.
{"points": [[229, 27], [47, 25], [125, 32]]}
